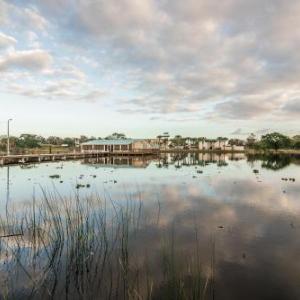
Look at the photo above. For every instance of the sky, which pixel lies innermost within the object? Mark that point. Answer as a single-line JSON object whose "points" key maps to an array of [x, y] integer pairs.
{"points": [[143, 67]]}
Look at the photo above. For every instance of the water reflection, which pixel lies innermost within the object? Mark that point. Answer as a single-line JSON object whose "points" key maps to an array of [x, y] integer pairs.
{"points": [[119, 162], [198, 159], [222, 235], [275, 161]]}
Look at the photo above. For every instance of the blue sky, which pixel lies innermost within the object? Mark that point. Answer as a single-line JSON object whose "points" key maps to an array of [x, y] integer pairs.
{"points": [[194, 67]]}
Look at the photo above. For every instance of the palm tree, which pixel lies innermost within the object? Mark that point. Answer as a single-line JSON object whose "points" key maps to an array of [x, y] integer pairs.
{"points": [[225, 139], [159, 138], [212, 142], [166, 137], [201, 140], [178, 140], [219, 139]]}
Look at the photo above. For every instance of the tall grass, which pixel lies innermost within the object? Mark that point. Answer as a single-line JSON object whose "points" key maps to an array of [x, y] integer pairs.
{"points": [[94, 248]]}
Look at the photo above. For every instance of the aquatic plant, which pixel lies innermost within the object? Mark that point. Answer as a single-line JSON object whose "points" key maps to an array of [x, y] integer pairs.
{"points": [[93, 248]]}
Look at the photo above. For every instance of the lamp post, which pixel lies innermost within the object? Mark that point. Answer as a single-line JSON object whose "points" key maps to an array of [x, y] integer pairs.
{"points": [[8, 149]]}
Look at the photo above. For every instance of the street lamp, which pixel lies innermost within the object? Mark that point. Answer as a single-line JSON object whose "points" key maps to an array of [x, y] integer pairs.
{"points": [[8, 150]]}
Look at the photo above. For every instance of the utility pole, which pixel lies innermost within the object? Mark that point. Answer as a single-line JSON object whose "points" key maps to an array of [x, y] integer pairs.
{"points": [[8, 149]]}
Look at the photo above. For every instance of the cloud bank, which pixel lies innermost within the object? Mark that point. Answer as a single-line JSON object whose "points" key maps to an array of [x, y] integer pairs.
{"points": [[236, 60]]}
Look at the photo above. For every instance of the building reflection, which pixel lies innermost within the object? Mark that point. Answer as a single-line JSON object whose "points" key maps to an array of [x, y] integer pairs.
{"points": [[197, 159], [118, 161]]}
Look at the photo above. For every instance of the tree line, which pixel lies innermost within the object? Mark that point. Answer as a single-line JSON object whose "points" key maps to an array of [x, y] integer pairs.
{"points": [[273, 140]]}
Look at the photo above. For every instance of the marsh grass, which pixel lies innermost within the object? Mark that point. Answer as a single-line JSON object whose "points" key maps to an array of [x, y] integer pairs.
{"points": [[95, 248]]}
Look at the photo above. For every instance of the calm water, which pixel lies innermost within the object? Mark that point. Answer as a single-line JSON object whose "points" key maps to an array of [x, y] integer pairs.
{"points": [[223, 227]]}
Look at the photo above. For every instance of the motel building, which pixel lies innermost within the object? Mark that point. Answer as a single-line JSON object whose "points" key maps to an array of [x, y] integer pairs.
{"points": [[222, 145], [211, 145], [116, 146]]}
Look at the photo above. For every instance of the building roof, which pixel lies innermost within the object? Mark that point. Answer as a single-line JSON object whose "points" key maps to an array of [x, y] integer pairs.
{"points": [[111, 142]]}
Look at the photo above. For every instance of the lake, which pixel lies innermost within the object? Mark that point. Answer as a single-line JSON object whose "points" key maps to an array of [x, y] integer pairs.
{"points": [[182, 226]]}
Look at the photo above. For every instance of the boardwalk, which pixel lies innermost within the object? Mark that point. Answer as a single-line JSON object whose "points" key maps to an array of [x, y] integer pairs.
{"points": [[37, 158]]}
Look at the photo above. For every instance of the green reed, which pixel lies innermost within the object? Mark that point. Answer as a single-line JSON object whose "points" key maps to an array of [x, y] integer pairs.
{"points": [[94, 248]]}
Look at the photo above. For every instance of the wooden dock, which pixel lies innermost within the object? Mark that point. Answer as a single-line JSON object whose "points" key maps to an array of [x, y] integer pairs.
{"points": [[38, 158]]}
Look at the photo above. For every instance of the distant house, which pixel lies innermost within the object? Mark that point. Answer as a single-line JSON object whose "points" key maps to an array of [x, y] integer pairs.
{"points": [[212, 145], [234, 148], [115, 146]]}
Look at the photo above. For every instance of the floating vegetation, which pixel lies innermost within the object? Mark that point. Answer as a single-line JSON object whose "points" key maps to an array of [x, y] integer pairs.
{"points": [[78, 186], [55, 176], [288, 179]]}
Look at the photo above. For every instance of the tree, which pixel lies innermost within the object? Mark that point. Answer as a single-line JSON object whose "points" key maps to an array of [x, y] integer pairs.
{"points": [[54, 140], [296, 142], [201, 141], [116, 136], [275, 141], [83, 139], [159, 140], [29, 141], [69, 141], [165, 137], [251, 140], [221, 139], [178, 140]]}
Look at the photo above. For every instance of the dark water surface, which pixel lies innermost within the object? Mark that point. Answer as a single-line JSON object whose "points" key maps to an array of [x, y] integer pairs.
{"points": [[197, 226]]}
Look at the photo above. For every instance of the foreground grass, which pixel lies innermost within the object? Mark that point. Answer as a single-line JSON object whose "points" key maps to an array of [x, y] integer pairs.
{"points": [[93, 248]]}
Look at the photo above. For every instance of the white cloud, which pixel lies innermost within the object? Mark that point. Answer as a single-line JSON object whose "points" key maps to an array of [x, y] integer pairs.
{"points": [[197, 51], [34, 19], [33, 60], [6, 40], [3, 12], [69, 71], [240, 59]]}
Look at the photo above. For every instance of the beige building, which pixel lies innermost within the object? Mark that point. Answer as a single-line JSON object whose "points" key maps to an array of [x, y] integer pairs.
{"points": [[212, 145], [116, 146], [234, 148]]}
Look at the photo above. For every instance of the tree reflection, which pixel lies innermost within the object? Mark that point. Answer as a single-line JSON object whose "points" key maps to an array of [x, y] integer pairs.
{"points": [[274, 161]]}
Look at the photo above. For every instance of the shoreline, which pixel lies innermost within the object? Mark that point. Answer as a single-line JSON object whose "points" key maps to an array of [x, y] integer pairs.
{"points": [[40, 158]]}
